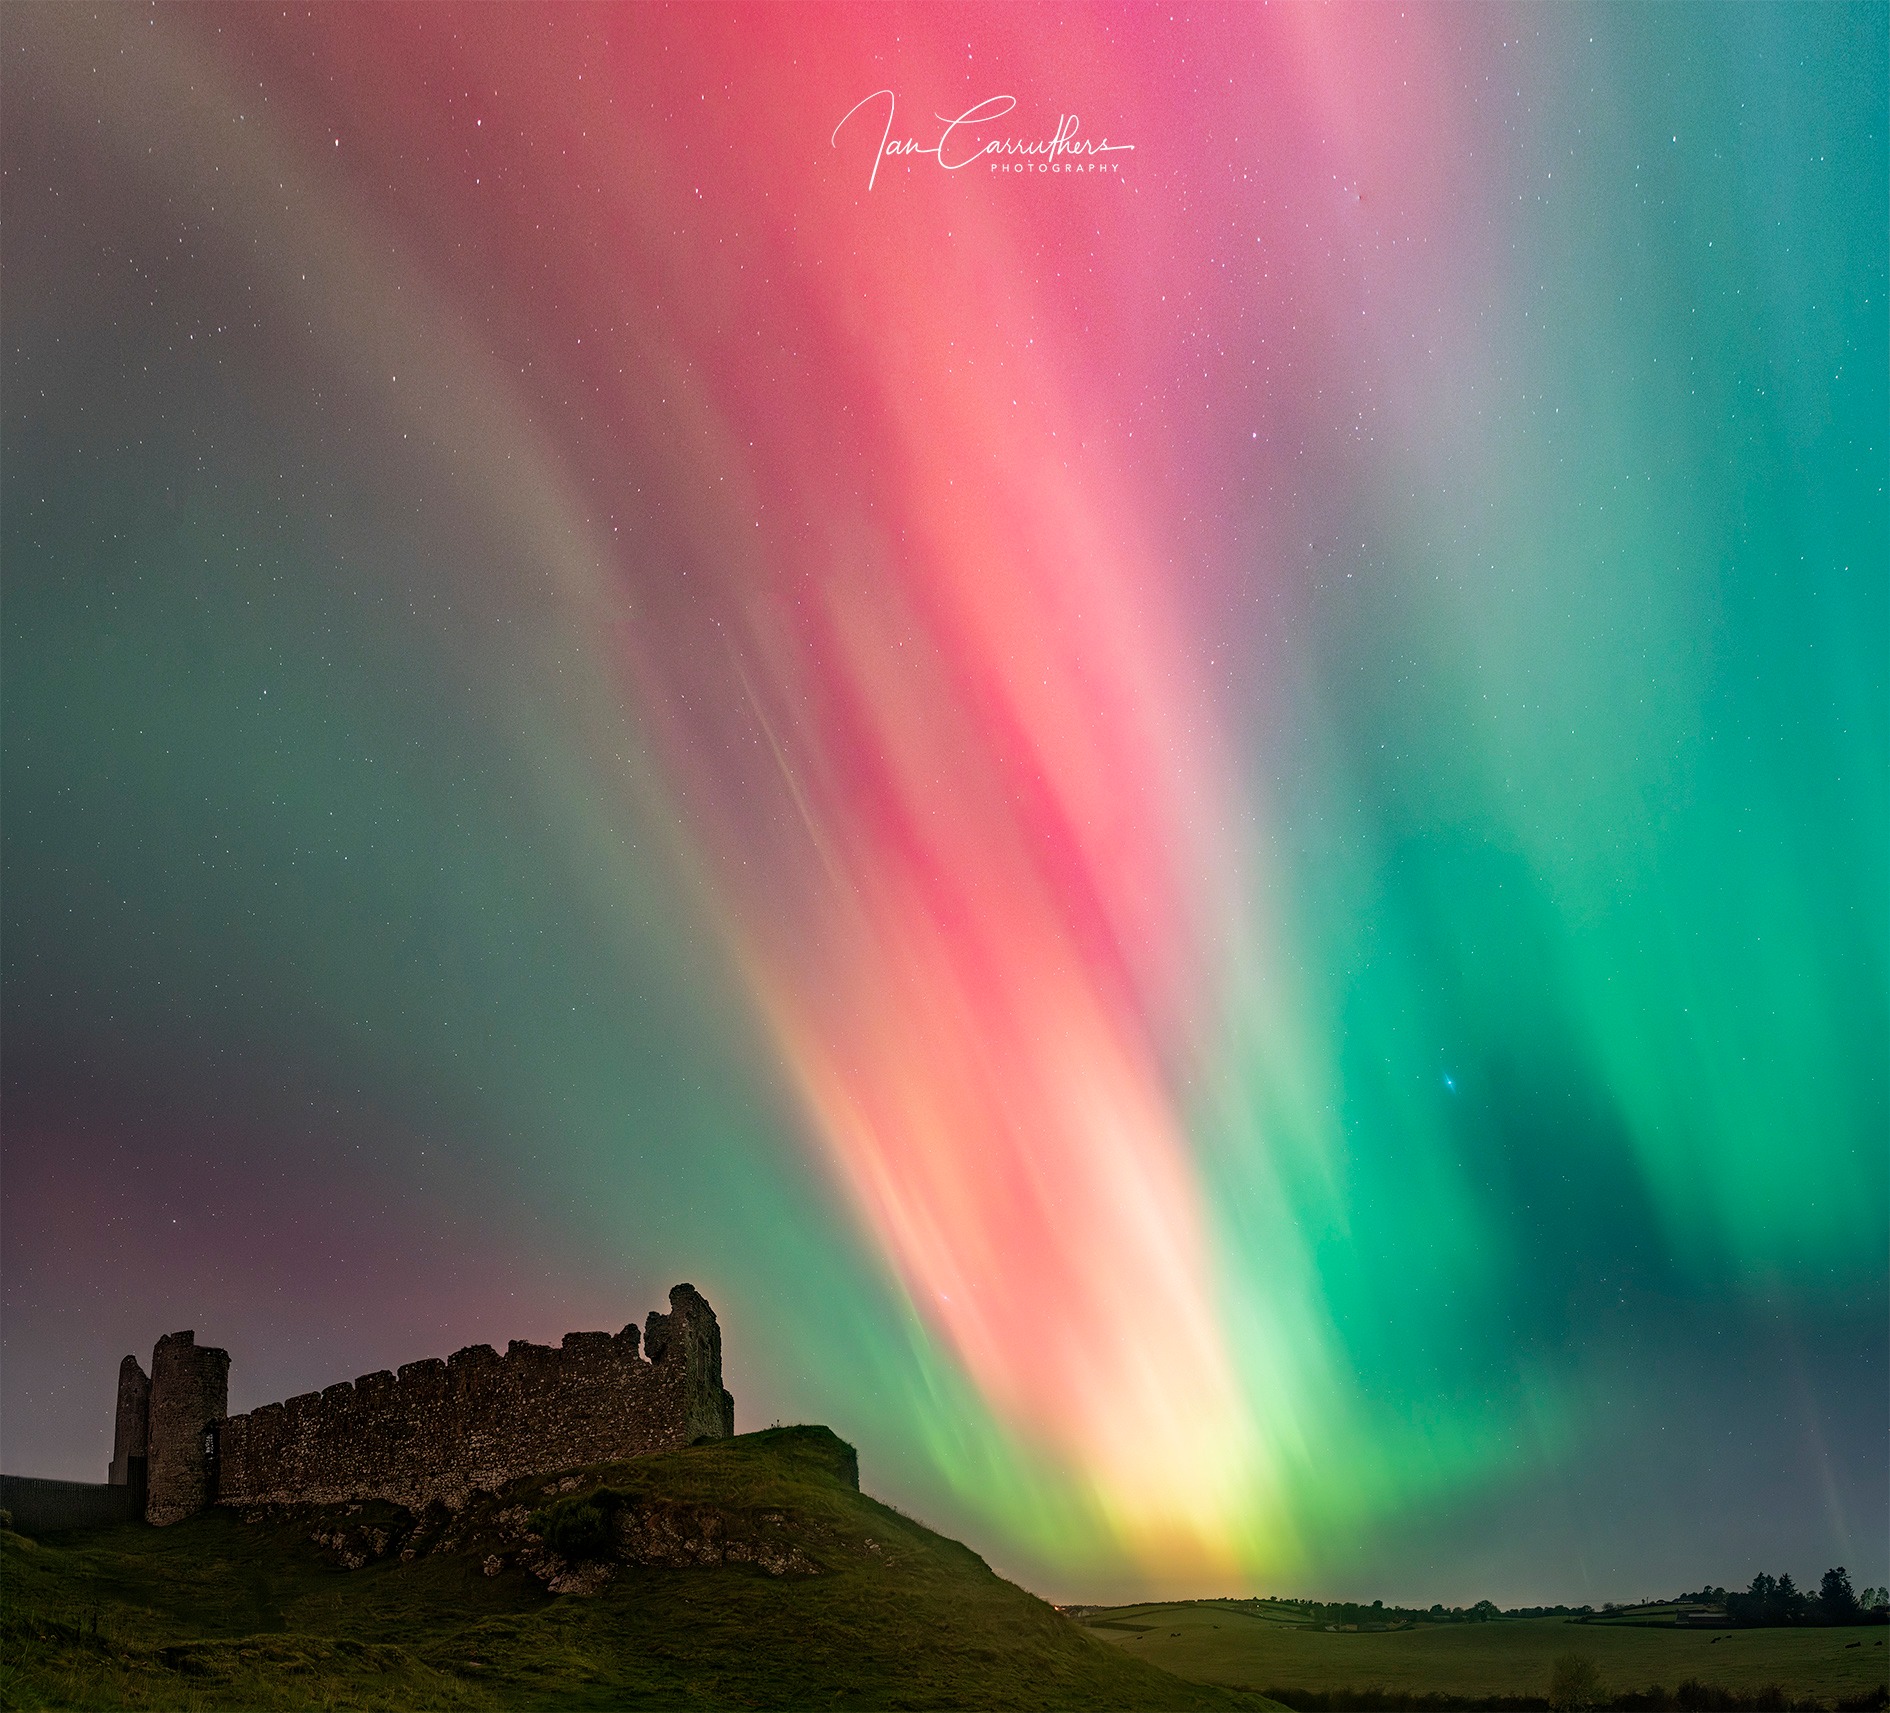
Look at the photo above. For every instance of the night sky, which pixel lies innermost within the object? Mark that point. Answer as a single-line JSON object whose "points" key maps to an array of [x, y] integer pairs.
{"points": [[1208, 838]]}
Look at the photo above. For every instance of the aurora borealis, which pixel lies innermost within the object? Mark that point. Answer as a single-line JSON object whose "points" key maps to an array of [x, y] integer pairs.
{"points": [[1208, 839]]}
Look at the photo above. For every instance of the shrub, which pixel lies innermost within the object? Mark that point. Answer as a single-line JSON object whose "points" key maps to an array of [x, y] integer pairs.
{"points": [[577, 1530], [1574, 1683]]}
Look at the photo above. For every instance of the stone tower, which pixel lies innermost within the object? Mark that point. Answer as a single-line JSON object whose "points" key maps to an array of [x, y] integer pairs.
{"points": [[190, 1393], [708, 1411], [130, 1437]]}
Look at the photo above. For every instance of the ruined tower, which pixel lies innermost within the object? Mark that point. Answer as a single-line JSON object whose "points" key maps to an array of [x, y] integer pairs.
{"points": [[190, 1393], [691, 1326], [130, 1435]]}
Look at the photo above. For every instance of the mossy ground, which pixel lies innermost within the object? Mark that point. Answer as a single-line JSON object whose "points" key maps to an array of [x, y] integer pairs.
{"points": [[218, 1613]]}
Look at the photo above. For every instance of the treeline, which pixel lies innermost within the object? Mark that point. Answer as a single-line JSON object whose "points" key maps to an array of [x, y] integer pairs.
{"points": [[1769, 1602], [1772, 1601], [1343, 1612], [1690, 1697]]}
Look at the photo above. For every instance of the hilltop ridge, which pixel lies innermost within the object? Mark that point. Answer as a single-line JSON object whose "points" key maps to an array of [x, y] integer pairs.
{"points": [[748, 1572]]}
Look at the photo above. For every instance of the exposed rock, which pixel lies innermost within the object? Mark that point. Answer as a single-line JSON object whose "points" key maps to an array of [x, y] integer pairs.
{"points": [[580, 1579], [572, 1534], [351, 1548], [679, 1536]]}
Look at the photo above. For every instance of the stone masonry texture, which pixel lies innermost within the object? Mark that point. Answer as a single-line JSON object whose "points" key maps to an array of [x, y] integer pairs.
{"points": [[190, 1390], [440, 1431]]}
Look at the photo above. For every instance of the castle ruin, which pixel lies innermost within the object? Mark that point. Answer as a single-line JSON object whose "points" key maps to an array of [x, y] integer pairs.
{"points": [[436, 1431]]}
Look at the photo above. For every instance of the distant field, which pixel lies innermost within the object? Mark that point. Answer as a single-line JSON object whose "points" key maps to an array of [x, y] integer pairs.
{"points": [[1221, 1644]]}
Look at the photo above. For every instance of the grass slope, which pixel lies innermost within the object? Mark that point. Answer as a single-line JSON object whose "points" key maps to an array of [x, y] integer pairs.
{"points": [[217, 1612], [1216, 1643]]}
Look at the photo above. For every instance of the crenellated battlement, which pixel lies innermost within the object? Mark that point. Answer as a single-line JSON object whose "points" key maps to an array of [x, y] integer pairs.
{"points": [[436, 1430]]}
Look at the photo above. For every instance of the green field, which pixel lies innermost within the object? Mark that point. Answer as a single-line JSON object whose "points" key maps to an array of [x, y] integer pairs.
{"points": [[1223, 1643], [216, 1612]]}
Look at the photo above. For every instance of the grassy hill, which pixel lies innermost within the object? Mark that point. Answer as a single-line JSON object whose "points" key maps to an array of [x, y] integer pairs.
{"points": [[749, 1573], [1227, 1643]]}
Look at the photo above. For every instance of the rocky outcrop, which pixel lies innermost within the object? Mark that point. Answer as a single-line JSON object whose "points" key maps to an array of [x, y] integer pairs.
{"points": [[578, 1533]]}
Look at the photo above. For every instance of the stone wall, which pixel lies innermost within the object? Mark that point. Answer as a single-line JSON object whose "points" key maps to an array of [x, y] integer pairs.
{"points": [[190, 1390], [43, 1507], [441, 1430]]}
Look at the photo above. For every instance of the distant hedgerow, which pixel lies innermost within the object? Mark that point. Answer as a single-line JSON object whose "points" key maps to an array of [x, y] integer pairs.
{"points": [[1692, 1696]]}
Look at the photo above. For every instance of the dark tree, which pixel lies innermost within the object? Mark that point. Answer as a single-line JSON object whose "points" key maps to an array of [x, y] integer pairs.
{"points": [[1836, 1599], [1759, 1604]]}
